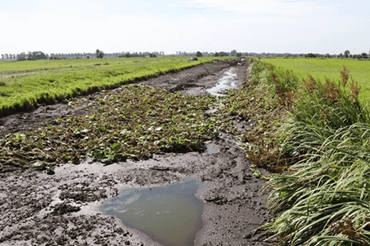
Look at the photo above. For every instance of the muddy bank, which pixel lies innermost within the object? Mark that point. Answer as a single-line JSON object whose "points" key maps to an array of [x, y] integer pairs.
{"points": [[61, 209]]}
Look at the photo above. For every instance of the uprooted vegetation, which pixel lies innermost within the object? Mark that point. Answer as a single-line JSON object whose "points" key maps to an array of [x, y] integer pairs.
{"points": [[322, 195], [133, 121]]}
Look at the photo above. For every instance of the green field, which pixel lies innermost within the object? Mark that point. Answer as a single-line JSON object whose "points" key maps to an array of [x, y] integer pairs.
{"points": [[26, 83], [328, 68]]}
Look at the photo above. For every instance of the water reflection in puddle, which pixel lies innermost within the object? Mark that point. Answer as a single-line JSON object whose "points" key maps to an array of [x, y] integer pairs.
{"points": [[170, 215], [212, 148], [225, 83]]}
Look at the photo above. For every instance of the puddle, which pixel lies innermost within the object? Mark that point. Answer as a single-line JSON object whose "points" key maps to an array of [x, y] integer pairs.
{"points": [[170, 215], [225, 83], [212, 148]]}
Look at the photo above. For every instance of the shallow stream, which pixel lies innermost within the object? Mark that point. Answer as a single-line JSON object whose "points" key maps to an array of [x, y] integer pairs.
{"points": [[228, 81]]}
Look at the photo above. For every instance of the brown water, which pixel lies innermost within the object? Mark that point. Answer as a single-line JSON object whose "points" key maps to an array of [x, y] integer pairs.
{"points": [[170, 215]]}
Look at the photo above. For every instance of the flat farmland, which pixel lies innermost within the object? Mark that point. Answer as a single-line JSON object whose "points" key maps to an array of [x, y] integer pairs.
{"points": [[321, 69], [26, 83]]}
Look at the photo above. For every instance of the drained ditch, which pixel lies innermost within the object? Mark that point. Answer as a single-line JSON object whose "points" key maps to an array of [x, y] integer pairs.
{"points": [[72, 206]]}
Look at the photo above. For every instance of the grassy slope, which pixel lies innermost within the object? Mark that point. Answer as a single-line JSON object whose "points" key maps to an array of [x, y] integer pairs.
{"points": [[322, 197], [328, 68], [24, 83]]}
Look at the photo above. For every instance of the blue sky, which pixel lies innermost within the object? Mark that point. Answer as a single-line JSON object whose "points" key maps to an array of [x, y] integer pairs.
{"points": [[295, 26]]}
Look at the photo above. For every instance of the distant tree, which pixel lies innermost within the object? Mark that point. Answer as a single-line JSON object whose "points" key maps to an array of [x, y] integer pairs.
{"points": [[39, 55], [199, 54], [233, 53], [36, 55], [222, 53], [327, 55], [340, 55], [346, 53], [99, 54], [364, 55], [127, 54], [216, 54], [239, 54], [21, 57], [310, 55]]}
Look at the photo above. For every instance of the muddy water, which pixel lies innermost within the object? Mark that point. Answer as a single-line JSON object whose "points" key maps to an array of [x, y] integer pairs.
{"points": [[227, 81], [170, 215]]}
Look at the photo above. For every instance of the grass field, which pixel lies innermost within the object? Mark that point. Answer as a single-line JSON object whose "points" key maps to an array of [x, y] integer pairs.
{"points": [[328, 68], [26, 83]]}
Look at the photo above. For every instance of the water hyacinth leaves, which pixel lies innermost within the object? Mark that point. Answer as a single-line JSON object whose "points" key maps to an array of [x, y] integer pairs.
{"points": [[135, 121]]}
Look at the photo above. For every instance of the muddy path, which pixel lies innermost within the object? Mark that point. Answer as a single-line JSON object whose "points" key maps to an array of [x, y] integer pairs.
{"points": [[61, 208]]}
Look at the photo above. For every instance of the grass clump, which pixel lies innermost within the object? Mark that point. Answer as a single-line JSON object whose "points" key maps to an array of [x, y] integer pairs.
{"points": [[322, 197]]}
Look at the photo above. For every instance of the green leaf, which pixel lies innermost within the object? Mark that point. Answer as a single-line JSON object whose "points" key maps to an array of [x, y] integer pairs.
{"points": [[66, 157], [116, 147], [20, 136], [99, 154]]}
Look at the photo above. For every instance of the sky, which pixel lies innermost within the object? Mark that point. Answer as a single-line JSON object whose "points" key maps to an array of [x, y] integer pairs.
{"points": [[270, 26]]}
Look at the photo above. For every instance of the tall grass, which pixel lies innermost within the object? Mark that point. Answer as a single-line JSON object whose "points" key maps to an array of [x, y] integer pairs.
{"points": [[324, 197]]}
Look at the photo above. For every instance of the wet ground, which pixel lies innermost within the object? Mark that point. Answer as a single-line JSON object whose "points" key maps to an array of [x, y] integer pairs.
{"points": [[63, 209]]}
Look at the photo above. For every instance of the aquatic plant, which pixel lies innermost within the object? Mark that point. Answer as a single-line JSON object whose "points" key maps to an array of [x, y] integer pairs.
{"points": [[133, 121]]}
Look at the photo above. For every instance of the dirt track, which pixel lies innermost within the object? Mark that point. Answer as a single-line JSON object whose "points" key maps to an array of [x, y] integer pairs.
{"points": [[61, 209]]}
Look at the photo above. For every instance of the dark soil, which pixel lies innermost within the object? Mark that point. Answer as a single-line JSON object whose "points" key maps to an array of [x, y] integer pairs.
{"points": [[60, 207]]}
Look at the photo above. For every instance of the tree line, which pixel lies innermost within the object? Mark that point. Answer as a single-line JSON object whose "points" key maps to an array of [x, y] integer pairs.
{"points": [[347, 54], [39, 55]]}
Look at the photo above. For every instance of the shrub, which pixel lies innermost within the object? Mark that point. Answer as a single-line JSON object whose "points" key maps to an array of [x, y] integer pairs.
{"points": [[99, 54]]}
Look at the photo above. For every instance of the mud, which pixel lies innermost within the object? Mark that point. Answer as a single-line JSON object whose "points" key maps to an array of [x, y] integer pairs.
{"points": [[61, 208]]}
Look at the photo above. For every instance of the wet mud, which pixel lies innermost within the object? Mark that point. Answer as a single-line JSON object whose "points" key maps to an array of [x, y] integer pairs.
{"points": [[62, 208]]}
